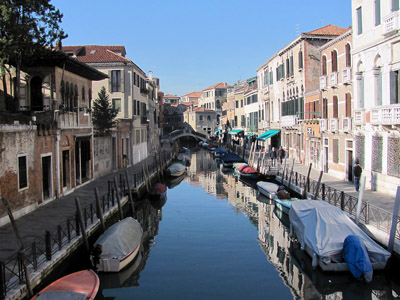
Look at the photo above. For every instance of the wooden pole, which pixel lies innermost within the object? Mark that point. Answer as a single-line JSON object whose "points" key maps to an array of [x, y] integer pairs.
{"points": [[284, 169], [82, 224], [307, 181], [99, 211], [360, 200], [291, 173], [21, 248], [121, 215], [130, 192], [317, 187], [394, 221]]}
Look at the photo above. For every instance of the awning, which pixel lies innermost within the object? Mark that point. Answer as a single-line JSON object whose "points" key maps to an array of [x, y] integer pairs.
{"points": [[235, 131], [218, 130], [267, 135], [250, 135]]}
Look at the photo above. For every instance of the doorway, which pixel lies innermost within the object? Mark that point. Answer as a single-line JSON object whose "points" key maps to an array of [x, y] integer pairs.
{"points": [[46, 177], [36, 94], [349, 165], [65, 169]]}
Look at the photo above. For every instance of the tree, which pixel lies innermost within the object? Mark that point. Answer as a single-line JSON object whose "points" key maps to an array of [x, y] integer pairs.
{"points": [[26, 28], [103, 114]]}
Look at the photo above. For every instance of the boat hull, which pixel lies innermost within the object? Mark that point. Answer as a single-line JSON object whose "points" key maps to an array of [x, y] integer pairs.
{"points": [[268, 189], [115, 264]]}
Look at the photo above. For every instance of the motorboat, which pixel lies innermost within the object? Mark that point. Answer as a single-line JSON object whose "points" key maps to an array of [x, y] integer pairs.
{"points": [[82, 285], [284, 204], [229, 158], [174, 181], [176, 170], [268, 189], [219, 151], [117, 246], [322, 230], [248, 172]]}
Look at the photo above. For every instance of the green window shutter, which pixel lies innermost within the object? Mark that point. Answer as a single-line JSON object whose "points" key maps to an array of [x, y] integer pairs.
{"points": [[378, 12], [291, 65], [283, 70], [300, 59], [395, 5], [394, 87], [359, 21]]}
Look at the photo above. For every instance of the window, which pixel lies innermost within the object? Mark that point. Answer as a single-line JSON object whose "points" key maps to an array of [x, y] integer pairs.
{"points": [[208, 118], [395, 5], [394, 87], [378, 12], [241, 103], [300, 59], [323, 65], [379, 87], [115, 81], [334, 60], [348, 55], [325, 108], [201, 117], [237, 103], [287, 67], [291, 65], [348, 105], [116, 104], [335, 151], [83, 93], [134, 107], [335, 107], [359, 20], [22, 172]]}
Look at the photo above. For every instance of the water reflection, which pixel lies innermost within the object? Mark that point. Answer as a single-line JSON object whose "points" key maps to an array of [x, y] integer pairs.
{"points": [[281, 252]]}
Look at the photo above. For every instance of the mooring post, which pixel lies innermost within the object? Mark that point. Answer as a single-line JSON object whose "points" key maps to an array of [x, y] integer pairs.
{"points": [[21, 247], [290, 176], [360, 200], [82, 224], [99, 212], [2, 280], [47, 243], [130, 192], [395, 217], [323, 191], [317, 187], [306, 187], [284, 170], [121, 216]]}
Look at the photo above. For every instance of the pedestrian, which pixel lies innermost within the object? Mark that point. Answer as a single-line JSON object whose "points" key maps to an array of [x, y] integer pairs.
{"points": [[272, 155], [357, 170], [281, 154]]}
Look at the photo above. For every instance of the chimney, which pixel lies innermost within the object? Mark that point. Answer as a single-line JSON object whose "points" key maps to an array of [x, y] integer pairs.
{"points": [[150, 75]]}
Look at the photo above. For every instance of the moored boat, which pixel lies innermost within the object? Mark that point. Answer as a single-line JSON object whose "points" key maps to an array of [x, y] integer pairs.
{"points": [[158, 192], [176, 170], [219, 151], [268, 189], [117, 246], [284, 204], [248, 172], [229, 158], [82, 285], [322, 229]]}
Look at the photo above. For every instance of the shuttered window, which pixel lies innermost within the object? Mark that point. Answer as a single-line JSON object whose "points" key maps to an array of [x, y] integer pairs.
{"points": [[348, 105], [334, 60], [394, 87], [300, 59], [335, 107], [378, 12], [324, 65], [395, 5], [22, 172], [325, 108], [291, 65], [335, 151], [359, 20], [348, 55]]}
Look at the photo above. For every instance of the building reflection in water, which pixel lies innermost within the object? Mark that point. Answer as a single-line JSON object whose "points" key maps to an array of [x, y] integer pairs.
{"points": [[292, 264]]}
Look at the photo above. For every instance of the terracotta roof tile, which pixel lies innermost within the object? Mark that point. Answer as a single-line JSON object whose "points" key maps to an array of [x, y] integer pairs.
{"points": [[97, 54], [193, 95], [200, 109], [328, 30], [218, 85], [171, 96]]}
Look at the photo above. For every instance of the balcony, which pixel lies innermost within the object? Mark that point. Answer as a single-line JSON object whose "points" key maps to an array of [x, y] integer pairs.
{"points": [[323, 125], [333, 79], [322, 83], [391, 24], [386, 115], [346, 76], [359, 117], [334, 124], [346, 124], [266, 89], [289, 121]]}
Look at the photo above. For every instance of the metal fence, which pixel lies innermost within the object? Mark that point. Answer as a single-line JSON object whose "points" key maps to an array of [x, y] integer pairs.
{"points": [[43, 249]]}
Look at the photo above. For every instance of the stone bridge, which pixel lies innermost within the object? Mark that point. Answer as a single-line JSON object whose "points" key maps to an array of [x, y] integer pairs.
{"points": [[174, 135]]}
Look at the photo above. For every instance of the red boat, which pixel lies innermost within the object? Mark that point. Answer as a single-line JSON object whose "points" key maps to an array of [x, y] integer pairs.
{"points": [[248, 172], [82, 285]]}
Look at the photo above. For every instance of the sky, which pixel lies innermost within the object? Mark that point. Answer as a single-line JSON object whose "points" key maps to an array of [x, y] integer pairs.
{"points": [[192, 44]]}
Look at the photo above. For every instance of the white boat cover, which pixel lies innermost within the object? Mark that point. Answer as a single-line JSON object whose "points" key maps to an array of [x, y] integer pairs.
{"points": [[121, 238], [176, 168], [62, 295], [322, 227], [269, 188]]}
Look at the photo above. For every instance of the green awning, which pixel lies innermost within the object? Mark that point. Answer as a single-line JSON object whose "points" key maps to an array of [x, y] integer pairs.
{"points": [[235, 131], [267, 135], [218, 130], [250, 135], [252, 80]]}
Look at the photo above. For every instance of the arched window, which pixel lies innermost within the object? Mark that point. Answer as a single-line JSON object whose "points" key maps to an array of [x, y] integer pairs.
{"points": [[83, 93], [324, 65], [348, 55], [334, 60]]}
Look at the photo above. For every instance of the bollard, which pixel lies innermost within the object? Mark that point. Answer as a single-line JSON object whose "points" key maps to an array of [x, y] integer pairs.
{"points": [[342, 200]]}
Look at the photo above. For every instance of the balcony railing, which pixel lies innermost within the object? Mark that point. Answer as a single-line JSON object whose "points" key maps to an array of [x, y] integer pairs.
{"points": [[346, 75], [346, 124], [323, 126], [334, 124], [359, 117], [386, 115], [322, 82], [289, 121], [333, 79], [391, 23]]}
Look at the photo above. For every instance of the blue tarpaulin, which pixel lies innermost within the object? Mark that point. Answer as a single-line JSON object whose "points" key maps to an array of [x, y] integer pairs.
{"points": [[357, 258]]}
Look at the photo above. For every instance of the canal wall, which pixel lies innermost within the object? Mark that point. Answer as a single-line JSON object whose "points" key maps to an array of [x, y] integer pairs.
{"points": [[63, 233]]}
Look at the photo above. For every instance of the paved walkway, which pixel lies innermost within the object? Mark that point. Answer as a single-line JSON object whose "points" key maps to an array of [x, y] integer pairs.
{"points": [[378, 199], [33, 225]]}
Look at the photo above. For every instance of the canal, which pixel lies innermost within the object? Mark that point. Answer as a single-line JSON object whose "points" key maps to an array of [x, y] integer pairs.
{"points": [[216, 238]]}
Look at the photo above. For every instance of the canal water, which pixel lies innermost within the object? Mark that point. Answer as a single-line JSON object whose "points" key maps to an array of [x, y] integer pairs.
{"points": [[216, 238]]}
